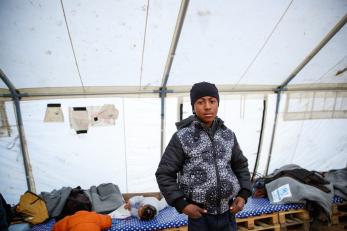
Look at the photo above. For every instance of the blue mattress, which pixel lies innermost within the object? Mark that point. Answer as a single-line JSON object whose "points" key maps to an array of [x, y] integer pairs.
{"points": [[170, 218], [258, 206], [167, 218], [338, 200]]}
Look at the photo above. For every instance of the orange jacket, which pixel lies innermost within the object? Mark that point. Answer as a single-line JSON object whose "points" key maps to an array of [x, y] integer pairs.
{"points": [[83, 221]]}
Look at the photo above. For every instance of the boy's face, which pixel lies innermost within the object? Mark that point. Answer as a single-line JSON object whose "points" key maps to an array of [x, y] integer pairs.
{"points": [[140, 211], [206, 109], [143, 214]]}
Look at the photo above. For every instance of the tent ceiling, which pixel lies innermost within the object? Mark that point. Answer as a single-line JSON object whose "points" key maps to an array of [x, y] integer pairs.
{"points": [[47, 46], [328, 62], [107, 40], [251, 42]]}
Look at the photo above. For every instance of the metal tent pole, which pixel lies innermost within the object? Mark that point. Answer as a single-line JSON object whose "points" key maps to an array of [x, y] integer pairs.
{"points": [[27, 166], [172, 51], [260, 144], [307, 59]]}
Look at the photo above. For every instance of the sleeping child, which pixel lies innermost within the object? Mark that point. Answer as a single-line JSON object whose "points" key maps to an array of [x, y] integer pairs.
{"points": [[145, 208]]}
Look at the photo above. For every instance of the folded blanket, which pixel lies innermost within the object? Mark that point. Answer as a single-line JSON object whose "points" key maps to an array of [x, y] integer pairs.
{"points": [[288, 190], [120, 213], [105, 198]]}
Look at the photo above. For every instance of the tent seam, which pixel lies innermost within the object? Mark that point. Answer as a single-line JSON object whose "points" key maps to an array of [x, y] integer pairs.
{"points": [[143, 45], [72, 47], [263, 46]]}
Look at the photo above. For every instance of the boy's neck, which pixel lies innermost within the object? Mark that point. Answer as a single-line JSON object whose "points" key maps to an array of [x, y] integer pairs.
{"points": [[206, 124]]}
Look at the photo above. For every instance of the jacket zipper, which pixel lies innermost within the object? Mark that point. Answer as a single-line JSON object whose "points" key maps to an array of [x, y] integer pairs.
{"points": [[217, 174]]}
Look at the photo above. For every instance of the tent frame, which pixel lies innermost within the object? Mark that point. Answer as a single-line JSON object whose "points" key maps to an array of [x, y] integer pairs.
{"points": [[16, 99], [16, 95], [283, 86]]}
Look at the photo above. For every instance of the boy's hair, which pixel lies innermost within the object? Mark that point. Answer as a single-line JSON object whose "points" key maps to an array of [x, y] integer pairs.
{"points": [[148, 212]]}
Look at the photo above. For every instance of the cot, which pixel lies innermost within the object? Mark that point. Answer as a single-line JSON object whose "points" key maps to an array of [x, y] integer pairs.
{"points": [[170, 218]]}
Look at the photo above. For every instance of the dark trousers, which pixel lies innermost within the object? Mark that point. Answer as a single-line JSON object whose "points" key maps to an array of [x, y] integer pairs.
{"points": [[209, 222], [3, 216]]}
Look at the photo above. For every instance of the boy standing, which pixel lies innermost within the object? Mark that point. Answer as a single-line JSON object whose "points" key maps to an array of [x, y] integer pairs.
{"points": [[213, 178]]}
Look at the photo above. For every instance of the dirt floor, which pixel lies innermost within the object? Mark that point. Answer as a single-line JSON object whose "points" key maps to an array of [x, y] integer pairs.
{"points": [[338, 227], [321, 227], [334, 227], [341, 226]]}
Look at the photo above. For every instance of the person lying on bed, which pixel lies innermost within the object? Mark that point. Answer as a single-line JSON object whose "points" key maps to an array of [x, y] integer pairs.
{"points": [[145, 208]]}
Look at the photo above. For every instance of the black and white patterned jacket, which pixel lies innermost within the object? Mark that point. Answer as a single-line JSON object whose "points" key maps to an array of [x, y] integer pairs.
{"points": [[211, 167]]}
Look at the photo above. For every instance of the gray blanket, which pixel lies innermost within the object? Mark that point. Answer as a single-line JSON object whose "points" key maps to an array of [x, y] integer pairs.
{"points": [[288, 190], [56, 200], [338, 178], [105, 198]]}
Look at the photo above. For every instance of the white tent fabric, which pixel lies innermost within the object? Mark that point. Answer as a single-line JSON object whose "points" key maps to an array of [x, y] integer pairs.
{"points": [[128, 153], [124, 154], [91, 53], [254, 43], [106, 38], [126, 43]]}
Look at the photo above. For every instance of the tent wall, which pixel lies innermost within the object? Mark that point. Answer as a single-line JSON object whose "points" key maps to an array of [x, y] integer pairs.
{"points": [[128, 153], [313, 143], [59, 157], [119, 49]]}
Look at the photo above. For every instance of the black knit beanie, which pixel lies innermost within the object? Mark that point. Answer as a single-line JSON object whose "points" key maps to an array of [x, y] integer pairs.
{"points": [[203, 89]]}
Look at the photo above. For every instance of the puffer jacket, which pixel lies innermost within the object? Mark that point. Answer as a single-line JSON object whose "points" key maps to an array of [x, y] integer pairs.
{"points": [[83, 221], [211, 167]]}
